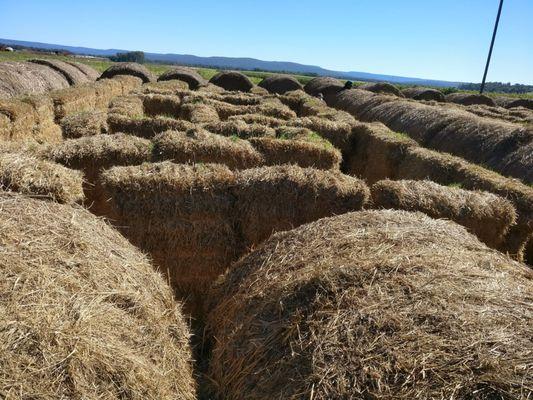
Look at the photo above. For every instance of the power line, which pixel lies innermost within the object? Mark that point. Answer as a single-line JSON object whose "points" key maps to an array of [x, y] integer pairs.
{"points": [[491, 46]]}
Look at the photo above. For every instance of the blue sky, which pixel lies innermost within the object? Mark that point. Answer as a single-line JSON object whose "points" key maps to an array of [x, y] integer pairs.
{"points": [[437, 39]]}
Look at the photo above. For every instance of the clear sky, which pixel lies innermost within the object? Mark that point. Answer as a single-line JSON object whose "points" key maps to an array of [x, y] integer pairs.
{"points": [[437, 39]]}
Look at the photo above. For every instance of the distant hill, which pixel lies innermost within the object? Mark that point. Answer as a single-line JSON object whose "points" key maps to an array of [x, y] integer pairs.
{"points": [[239, 63]]}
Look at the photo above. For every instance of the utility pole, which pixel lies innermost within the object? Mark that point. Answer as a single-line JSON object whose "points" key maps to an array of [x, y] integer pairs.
{"points": [[491, 46]]}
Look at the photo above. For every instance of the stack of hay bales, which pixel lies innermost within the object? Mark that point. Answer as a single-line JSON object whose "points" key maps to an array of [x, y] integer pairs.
{"points": [[93, 154], [188, 75], [84, 315], [24, 173], [382, 88], [128, 68], [423, 93], [86, 123], [233, 81], [484, 214], [198, 145], [375, 304], [280, 84], [468, 99]]}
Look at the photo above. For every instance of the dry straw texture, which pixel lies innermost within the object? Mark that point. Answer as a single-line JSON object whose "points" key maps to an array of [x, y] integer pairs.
{"points": [[422, 93], [31, 176], [199, 113], [73, 100], [280, 84], [188, 75], [373, 305], [129, 68], [323, 85], [172, 87], [84, 316], [86, 123], [512, 102], [89, 72], [484, 214], [469, 99], [240, 129], [233, 81], [18, 78], [72, 74], [382, 88], [161, 104], [271, 199], [198, 145], [259, 119]]}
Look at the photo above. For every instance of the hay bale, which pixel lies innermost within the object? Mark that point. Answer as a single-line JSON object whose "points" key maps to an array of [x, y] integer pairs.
{"points": [[31, 176], [18, 120], [172, 87], [273, 108], [128, 68], [188, 75], [513, 102], [129, 83], [19, 78], [88, 71], [272, 199], [73, 100], [198, 145], [44, 130], [181, 215], [105, 91], [304, 151], [469, 99], [232, 80], [357, 102], [323, 85], [86, 123], [423, 93], [375, 304], [381, 88], [161, 104], [145, 127], [280, 84], [93, 154], [199, 113], [337, 133], [259, 119], [484, 214], [239, 98], [83, 313], [72, 74], [240, 129]]}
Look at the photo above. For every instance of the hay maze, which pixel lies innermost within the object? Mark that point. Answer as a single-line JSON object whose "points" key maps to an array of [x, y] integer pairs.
{"points": [[305, 244]]}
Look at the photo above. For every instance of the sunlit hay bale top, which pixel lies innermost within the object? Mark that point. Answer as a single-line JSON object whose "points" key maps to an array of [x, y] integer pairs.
{"points": [[518, 115], [199, 113], [240, 129], [382, 88], [188, 75], [304, 150], [486, 215], [86, 123], [128, 82], [161, 104], [181, 215], [378, 304], [280, 84], [273, 108], [94, 153], [45, 129], [423, 93], [468, 99], [239, 98], [260, 119], [233, 81], [129, 68], [31, 176], [357, 102], [73, 100], [19, 78], [210, 89], [89, 72], [72, 74], [128, 106], [84, 314], [198, 145], [105, 91], [512, 102], [270, 199], [28, 147], [323, 85], [17, 120], [171, 87]]}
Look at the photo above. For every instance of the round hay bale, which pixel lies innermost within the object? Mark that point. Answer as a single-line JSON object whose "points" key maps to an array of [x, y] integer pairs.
{"points": [[382, 88], [280, 84], [325, 87], [31, 176], [19, 78], [84, 315], [373, 305], [485, 214], [128, 68], [198, 145], [513, 102], [85, 123], [72, 74], [233, 81], [468, 99], [189, 75], [89, 72], [422, 93]]}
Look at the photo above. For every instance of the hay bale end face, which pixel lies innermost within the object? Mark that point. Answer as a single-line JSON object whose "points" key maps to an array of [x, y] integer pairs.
{"points": [[422, 93], [376, 304], [128, 68], [280, 84], [484, 214], [233, 81], [87, 123], [468, 99], [84, 315], [72, 74], [382, 88], [189, 75]]}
